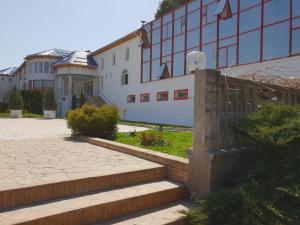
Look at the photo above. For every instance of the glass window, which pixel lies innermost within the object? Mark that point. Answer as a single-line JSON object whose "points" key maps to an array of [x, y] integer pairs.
{"points": [[156, 51], [276, 10], [144, 97], [179, 43], [228, 27], [167, 18], [46, 67], [209, 33], [211, 12], [248, 3], [167, 47], [181, 94], [156, 69], [146, 54], [249, 49], [167, 31], [102, 63], [37, 85], [36, 66], [179, 12], [114, 59], [127, 54], [296, 42], [210, 51], [193, 39], [124, 78], [163, 96], [48, 84], [276, 41], [296, 8], [156, 36], [296, 23], [156, 24], [193, 20], [131, 98], [193, 6], [178, 65], [41, 67], [250, 19], [146, 72], [179, 26]]}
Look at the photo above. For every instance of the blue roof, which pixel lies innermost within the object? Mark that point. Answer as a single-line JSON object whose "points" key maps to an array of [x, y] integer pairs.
{"points": [[77, 58], [8, 71], [52, 52]]}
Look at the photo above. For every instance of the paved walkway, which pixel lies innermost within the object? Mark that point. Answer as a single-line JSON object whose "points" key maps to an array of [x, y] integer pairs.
{"points": [[11, 129], [35, 152]]}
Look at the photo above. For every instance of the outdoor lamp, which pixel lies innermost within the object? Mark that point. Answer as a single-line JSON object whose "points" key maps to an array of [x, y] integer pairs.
{"points": [[196, 61]]}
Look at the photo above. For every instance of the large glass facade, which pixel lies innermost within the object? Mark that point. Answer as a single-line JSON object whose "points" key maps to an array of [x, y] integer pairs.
{"points": [[259, 30]]}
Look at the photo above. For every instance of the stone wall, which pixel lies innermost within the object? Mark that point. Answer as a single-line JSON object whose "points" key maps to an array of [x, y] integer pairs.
{"points": [[219, 101]]}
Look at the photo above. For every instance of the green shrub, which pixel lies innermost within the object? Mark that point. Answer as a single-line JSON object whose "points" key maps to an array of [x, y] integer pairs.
{"points": [[49, 102], [263, 188], [92, 121], [3, 106], [33, 101], [15, 100], [152, 139]]}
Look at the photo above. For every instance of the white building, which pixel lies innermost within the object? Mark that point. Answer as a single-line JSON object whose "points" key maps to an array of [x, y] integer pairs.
{"points": [[145, 73], [7, 82]]}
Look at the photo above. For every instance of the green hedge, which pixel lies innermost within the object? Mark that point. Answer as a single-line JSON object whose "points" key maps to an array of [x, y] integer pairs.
{"points": [[33, 101], [92, 121], [264, 186]]}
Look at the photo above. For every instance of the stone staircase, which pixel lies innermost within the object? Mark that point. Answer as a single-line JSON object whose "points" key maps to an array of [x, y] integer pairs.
{"points": [[137, 197]]}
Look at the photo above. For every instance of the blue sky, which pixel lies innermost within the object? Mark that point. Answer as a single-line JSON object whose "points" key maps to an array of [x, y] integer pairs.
{"points": [[29, 26]]}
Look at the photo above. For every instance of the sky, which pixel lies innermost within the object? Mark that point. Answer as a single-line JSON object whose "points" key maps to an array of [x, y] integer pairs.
{"points": [[30, 26]]}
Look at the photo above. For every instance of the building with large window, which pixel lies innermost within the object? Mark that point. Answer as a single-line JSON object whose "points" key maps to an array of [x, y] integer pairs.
{"points": [[145, 72]]}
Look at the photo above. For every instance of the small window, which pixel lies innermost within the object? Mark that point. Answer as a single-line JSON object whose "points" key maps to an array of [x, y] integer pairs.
{"points": [[124, 78], [127, 55], [102, 63], [36, 66], [131, 98], [114, 59], [41, 67], [163, 96], [181, 94], [9, 79], [145, 97], [46, 67]]}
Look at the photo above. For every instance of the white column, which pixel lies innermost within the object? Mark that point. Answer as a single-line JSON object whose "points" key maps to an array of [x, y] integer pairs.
{"points": [[70, 85], [59, 86]]}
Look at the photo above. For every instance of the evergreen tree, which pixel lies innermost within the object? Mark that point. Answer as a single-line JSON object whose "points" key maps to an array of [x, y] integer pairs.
{"points": [[49, 102], [166, 6]]}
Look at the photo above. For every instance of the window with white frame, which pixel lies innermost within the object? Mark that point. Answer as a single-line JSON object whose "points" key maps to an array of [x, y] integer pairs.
{"points": [[124, 78], [36, 66], [46, 67], [41, 67], [114, 59], [102, 63], [127, 54]]}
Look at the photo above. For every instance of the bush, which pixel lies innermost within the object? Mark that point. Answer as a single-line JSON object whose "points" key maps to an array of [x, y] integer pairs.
{"points": [[49, 102], [152, 139], [33, 101], [264, 186], [3, 106], [92, 121], [15, 100]]}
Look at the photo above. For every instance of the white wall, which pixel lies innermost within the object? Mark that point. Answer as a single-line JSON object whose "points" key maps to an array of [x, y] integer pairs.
{"points": [[169, 112]]}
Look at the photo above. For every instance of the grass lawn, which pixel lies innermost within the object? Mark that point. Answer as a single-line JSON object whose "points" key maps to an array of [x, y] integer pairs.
{"points": [[176, 142], [25, 115], [151, 125]]}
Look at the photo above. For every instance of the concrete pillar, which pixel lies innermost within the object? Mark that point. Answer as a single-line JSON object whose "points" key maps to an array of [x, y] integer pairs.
{"points": [[70, 86]]}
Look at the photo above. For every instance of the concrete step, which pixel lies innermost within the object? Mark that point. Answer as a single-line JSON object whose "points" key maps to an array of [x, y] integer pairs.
{"points": [[97, 207], [19, 196], [166, 215]]}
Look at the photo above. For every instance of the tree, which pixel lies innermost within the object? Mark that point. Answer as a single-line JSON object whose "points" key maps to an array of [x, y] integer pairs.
{"points": [[166, 6], [49, 102], [16, 100], [74, 102], [82, 100]]}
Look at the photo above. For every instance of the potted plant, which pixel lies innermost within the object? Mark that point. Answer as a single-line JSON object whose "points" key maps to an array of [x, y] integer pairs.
{"points": [[49, 104], [15, 103]]}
